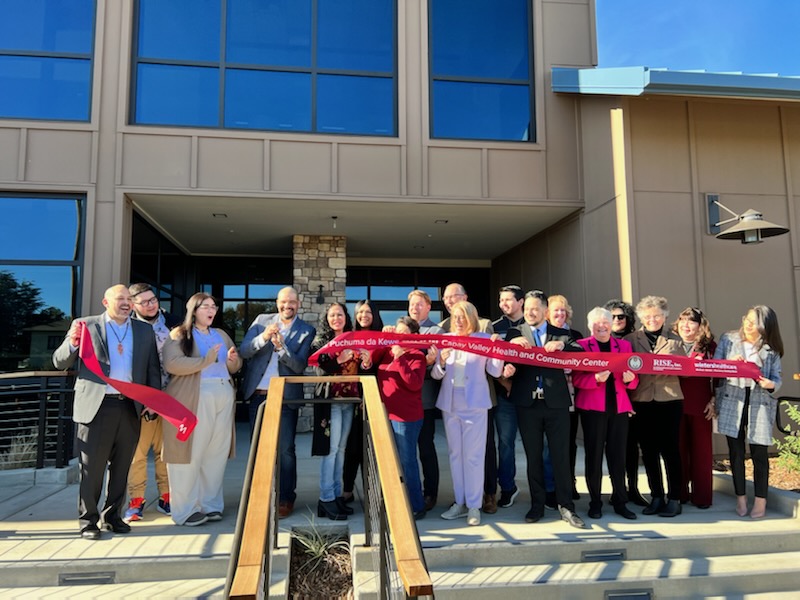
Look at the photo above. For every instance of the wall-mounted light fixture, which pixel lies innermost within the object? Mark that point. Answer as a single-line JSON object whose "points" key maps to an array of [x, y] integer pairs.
{"points": [[750, 226], [321, 295]]}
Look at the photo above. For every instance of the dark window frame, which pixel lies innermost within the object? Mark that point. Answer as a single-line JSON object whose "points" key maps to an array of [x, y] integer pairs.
{"points": [[530, 82], [223, 65]]}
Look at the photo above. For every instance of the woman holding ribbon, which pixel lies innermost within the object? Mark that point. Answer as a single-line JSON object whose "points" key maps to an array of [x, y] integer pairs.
{"points": [[400, 373], [332, 420], [201, 360], [604, 407], [368, 318], [698, 410], [465, 400], [747, 407], [658, 403]]}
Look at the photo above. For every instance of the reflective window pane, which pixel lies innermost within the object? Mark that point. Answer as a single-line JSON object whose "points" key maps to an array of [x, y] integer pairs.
{"points": [[356, 35], [263, 292], [487, 38], [233, 291], [179, 29], [28, 222], [433, 292], [267, 100], [37, 305], [354, 293], [173, 95], [47, 25], [390, 292], [269, 32], [362, 105], [481, 111], [36, 81]]}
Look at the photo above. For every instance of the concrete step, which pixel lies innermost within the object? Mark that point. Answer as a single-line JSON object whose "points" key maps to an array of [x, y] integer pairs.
{"points": [[724, 576], [209, 587]]}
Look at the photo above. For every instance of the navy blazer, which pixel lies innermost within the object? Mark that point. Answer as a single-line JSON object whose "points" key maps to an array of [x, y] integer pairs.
{"points": [[293, 362], [554, 382]]}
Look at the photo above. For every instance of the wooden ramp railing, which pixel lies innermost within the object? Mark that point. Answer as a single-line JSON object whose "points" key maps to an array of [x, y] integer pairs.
{"points": [[249, 568]]}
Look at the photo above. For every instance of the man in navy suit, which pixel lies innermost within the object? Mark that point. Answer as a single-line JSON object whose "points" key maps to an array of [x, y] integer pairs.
{"points": [[279, 345], [542, 399], [108, 422]]}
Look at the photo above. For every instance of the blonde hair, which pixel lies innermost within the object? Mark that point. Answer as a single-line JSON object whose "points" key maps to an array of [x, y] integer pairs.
{"points": [[422, 294], [469, 310], [561, 300]]}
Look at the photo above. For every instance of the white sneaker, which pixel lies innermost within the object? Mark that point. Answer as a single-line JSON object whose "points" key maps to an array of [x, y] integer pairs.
{"points": [[474, 516], [455, 512]]}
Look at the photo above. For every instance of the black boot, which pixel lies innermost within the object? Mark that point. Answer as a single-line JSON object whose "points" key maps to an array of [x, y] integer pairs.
{"points": [[635, 497], [655, 507], [341, 502], [330, 510], [671, 509]]}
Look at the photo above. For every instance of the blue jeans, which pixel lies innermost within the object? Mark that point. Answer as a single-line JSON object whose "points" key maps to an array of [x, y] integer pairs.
{"points": [[288, 468], [406, 434], [505, 420], [330, 474]]}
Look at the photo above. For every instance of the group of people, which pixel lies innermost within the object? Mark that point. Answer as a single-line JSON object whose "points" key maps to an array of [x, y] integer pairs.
{"points": [[484, 403]]}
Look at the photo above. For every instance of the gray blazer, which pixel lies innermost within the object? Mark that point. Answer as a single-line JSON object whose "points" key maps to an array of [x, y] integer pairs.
{"points": [[293, 362], [89, 388], [730, 397]]}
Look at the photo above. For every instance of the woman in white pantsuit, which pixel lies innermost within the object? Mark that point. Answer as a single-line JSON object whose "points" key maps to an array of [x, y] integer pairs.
{"points": [[201, 360], [464, 400]]}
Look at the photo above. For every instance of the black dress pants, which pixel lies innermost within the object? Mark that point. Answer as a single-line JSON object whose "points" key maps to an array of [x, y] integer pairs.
{"points": [[427, 454], [605, 433], [110, 439], [758, 453], [659, 430], [353, 452]]}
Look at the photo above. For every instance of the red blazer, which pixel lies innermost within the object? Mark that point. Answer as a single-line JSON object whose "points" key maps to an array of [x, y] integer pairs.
{"points": [[591, 395]]}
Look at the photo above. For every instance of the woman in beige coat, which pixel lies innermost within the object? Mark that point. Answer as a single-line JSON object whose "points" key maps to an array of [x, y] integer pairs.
{"points": [[201, 380]]}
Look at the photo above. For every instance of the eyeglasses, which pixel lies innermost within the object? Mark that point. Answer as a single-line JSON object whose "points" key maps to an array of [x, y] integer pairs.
{"points": [[658, 317], [151, 302], [209, 306], [619, 317]]}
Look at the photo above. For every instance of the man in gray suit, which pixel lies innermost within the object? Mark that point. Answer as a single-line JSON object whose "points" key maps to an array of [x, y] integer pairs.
{"points": [[279, 345], [108, 422]]}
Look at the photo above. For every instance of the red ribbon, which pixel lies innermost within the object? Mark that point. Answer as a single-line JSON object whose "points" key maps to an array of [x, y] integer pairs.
{"points": [[616, 362], [168, 407]]}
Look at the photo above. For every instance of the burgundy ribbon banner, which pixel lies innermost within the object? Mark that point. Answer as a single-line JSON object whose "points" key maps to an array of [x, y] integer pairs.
{"points": [[616, 362], [156, 400]]}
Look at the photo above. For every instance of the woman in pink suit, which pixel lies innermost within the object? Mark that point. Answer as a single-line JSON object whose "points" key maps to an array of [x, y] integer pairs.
{"points": [[603, 405]]}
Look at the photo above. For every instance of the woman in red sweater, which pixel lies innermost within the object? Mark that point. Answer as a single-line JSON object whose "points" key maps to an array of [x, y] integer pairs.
{"points": [[400, 373], [698, 410]]}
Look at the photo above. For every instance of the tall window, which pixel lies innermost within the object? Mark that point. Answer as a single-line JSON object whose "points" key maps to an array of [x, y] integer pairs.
{"points": [[46, 59], [325, 66], [41, 256], [481, 70]]}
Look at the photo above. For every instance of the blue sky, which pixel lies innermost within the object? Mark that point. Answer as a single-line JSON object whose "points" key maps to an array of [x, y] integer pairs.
{"points": [[751, 36]]}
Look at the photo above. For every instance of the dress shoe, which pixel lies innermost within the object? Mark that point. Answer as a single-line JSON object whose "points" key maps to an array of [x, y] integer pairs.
{"points": [[635, 497], [430, 502], [331, 510], [90, 532], [117, 525], [420, 514], [671, 509], [571, 518], [595, 513], [533, 515], [342, 504], [489, 504], [285, 508], [624, 512], [550, 502], [349, 499], [703, 506], [655, 507]]}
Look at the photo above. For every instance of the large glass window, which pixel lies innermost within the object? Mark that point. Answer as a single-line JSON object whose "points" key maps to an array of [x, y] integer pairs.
{"points": [[41, 255], [481, 69], [46, 59], [325, 66]]}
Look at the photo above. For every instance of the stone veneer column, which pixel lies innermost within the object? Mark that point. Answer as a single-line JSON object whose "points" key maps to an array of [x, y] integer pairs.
{"points": [[317, 260]]}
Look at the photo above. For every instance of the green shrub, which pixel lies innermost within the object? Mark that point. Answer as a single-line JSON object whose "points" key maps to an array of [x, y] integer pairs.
{"points": [[789, 447]]}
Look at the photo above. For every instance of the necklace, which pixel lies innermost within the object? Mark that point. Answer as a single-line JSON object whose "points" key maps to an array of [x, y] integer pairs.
{"points": [[120, 347]]}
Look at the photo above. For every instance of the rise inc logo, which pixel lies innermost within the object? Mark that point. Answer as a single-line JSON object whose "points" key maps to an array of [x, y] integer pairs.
{"points": [[635, 363]]}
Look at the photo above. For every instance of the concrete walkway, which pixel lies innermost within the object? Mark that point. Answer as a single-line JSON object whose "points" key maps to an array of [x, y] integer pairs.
{"points": [[42, 555]]}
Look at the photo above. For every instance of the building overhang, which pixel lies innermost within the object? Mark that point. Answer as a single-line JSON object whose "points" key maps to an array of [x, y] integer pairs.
{"points": [[644, 81]]}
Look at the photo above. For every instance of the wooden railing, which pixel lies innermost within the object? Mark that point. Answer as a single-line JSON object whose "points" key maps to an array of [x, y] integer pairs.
{"points": [[249, 571]]}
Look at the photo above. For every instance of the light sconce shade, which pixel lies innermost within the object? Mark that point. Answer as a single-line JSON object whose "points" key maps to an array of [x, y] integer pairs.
{"points": [[750, 227]]}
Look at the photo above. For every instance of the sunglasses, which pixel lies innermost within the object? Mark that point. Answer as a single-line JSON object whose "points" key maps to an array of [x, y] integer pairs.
{"points": [[619, 317]]}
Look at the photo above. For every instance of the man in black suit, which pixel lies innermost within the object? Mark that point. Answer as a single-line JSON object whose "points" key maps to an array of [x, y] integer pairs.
{"points": [[108, 422], [542, 401]]}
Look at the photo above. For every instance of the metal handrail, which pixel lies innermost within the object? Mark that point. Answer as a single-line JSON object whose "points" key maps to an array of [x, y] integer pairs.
{"points": [[248, 575]]}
